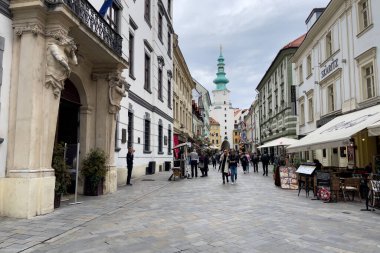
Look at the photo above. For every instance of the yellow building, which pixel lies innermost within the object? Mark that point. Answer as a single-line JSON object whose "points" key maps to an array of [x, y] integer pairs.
{"points": [[215, 133], [236, 136]]}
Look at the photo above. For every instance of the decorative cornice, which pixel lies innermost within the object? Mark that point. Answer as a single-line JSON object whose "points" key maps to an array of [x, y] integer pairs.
{"points": [[36, 29], [137, 99]]}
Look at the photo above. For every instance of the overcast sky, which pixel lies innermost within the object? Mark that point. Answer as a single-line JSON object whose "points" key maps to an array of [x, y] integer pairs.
{"points": [[251, 32]]}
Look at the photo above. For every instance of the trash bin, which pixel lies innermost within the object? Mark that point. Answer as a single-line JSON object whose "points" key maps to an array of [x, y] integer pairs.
{"points": [[168, 165]]}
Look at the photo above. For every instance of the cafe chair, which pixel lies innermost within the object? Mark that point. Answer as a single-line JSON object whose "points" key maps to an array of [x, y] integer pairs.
{"points": [[374, 193], [335, 189], [351, 185]]}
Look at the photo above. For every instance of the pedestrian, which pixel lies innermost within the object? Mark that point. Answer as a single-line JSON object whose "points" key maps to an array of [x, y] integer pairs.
{"points": [[233, 163], [265, 162], [194, 159], [205, 165], [130, 164], [244, 161], [255, 162], [214, 161], [224, 166]]}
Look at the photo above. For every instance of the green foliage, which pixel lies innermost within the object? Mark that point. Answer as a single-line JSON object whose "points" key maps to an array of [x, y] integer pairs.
{"points": [[94, 166], [61, 170]]}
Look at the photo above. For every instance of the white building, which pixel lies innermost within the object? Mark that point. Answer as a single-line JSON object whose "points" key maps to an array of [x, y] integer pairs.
{"points": [[221, 109], [204, 103], [6, 36], [336, 70], [145, 120]]}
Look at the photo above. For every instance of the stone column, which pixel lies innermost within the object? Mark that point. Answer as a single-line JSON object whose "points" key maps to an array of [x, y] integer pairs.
{"points": [[110, 89], [40, 65]]}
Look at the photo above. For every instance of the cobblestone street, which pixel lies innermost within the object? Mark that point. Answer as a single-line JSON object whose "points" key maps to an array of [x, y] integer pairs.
{"points": [[197, 215]]}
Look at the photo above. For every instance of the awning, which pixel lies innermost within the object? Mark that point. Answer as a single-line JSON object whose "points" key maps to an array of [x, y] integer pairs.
{"points": [[183, 144], [337, 132], [374, 129], [283, 141]]}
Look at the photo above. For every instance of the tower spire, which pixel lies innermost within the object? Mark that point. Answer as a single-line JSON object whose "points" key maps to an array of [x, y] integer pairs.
{"points": [[221, 79]]}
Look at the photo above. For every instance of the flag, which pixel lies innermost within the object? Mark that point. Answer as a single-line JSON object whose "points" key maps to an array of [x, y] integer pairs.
{"points": [[105, 6]]}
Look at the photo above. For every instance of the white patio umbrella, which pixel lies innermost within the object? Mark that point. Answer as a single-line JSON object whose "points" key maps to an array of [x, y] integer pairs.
{"points": [[283, 141]]}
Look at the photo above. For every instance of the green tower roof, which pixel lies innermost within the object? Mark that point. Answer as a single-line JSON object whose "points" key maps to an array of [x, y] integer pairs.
{"points": [[221, 79]]}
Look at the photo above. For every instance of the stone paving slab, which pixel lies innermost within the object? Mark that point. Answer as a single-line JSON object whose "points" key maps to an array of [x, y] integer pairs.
{"points": [[197, 215]]}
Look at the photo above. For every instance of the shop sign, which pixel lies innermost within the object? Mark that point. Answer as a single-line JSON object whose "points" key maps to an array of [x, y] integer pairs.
{"points": [[329, 68]]}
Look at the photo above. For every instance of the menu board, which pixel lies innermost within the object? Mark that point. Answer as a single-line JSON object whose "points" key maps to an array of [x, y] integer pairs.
{"points": [[288, 178]]}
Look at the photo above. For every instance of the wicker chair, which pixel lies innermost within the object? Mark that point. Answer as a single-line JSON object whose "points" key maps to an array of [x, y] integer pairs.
{"points": [[335, 189]]}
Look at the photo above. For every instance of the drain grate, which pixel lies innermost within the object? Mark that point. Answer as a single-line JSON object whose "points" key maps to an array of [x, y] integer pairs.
{"points": [[148, 180]]}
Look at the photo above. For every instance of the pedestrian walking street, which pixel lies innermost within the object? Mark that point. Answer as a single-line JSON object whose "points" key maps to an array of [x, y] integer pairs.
{"points": [[197, 215]]}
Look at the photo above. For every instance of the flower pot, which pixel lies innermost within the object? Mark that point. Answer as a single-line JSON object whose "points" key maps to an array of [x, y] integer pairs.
{"points": [[92, 190], [57, 200]]}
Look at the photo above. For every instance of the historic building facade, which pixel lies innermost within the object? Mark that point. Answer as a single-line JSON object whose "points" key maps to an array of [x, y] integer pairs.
{"points": [[221, 109], [204, 103], [249, 123], [215, 133], [277, 105], [336, 71], [6, 37], [182, 97], [146, 118], [59, 92]]}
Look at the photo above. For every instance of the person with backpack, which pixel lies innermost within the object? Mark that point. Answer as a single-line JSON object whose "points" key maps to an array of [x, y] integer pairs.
{"points": [[255, 162], [244, 161], [265, 161]]}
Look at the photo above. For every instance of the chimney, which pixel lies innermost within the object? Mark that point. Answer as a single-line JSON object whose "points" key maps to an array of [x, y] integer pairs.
{"points": [[313, 17]]}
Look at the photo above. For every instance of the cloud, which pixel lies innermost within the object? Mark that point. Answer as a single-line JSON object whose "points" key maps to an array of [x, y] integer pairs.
{"points": [[251, 32]]}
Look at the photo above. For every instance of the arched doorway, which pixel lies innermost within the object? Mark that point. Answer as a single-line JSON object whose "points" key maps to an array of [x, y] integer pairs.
{"points": [[68, 125]]}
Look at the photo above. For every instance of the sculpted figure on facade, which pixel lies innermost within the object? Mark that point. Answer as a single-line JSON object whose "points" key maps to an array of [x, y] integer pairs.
{"points": [[60, 53], [116, 92]]}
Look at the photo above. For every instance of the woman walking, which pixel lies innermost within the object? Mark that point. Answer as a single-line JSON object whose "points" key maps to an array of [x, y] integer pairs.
{"points": [[224, 166]]}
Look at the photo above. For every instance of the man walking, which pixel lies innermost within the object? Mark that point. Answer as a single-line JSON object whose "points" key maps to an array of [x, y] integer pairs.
{"points": [[265, 161], [255, 161], [194, 158], [130, 164]]}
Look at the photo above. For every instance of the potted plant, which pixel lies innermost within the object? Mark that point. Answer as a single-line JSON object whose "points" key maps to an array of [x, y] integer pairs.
{"points": [[62, 174], [94, 168]]}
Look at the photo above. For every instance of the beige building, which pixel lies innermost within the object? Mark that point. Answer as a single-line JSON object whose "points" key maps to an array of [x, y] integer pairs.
{"points": [[55, 82], [215, 133], [182, 97]]}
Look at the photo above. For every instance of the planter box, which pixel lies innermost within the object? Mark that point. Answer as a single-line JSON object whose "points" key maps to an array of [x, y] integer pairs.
{"points": [[90, 190]]}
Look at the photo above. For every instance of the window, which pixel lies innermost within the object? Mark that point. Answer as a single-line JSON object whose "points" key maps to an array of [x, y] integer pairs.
{"points": [[364, 17], [217, 142], [147, 11], [225, 133], [324, 153], [311, 109], [300, 74], [235, 133], [330, 97], [131, 55], [159, 32], [160, 137], [130, 129], [225, 115], [169, 44], [309, 66], [302, 114], [159, 84], [170, 7], [147, 135], [282, 70], [328, 45], [112, 16], [225, 127], [169, 140], [169, 93], [368, 81], [147, 72], [217, 134]]}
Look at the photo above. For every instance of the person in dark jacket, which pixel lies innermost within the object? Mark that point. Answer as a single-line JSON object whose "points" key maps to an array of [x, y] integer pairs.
{"points": [[255, 162], [265, 161], [205, 165], [130, 164]]}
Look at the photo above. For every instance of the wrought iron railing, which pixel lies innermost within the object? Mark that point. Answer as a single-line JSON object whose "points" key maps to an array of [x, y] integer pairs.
{"points": [[90, 17]]}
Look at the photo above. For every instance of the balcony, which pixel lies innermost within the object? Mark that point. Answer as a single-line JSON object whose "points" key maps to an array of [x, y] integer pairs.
{"points": [[89, 17]]}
